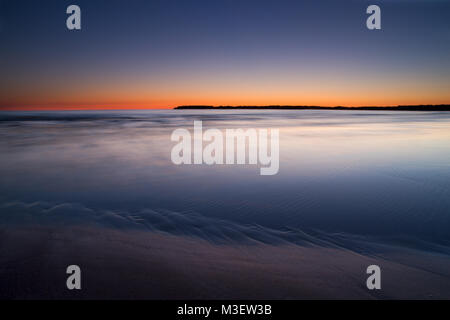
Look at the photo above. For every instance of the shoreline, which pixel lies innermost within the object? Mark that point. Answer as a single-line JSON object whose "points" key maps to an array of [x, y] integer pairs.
{"points": [[442, 107], [119, 264]]}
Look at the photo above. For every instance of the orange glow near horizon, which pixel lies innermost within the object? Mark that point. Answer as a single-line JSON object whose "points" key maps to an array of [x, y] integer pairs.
{"points": [[325, 89], [170, 104], [161, 98], [146, 106]]}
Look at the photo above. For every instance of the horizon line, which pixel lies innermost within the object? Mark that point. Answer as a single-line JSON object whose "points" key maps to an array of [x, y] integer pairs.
{"points": [[205, 106]]}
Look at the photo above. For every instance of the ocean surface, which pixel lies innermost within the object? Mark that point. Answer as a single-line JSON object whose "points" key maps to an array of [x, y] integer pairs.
{"points": [[352, 186]]}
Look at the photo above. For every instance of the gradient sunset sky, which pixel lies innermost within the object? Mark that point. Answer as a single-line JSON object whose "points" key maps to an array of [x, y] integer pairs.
{"points": [[160, 54]]}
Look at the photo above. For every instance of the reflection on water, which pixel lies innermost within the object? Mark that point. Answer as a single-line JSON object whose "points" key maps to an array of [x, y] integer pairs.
{"points": [[367, 173], [353, 182]]}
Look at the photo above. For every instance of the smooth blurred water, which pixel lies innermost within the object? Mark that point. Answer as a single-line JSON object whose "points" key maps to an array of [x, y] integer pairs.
{"points": [[373, 174]]}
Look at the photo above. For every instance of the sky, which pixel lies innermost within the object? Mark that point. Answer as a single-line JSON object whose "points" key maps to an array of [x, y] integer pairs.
{"points": [[161, 54]]}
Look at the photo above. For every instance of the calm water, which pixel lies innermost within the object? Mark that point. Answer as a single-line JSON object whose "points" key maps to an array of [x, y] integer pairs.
{"points": [[380, 175]]}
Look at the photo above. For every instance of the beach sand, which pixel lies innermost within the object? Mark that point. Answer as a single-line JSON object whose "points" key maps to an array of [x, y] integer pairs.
{"points": [[150, 265]]}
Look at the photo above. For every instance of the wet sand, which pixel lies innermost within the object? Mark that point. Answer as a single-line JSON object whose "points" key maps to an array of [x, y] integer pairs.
{"points": [[150, 265], [98, 189]]}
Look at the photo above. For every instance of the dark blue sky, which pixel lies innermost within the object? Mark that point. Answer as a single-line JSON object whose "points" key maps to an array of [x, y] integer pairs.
{"points": [[149, 53]]}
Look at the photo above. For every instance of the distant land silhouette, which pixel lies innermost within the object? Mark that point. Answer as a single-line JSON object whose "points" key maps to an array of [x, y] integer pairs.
{"points": [[441, 107]]}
